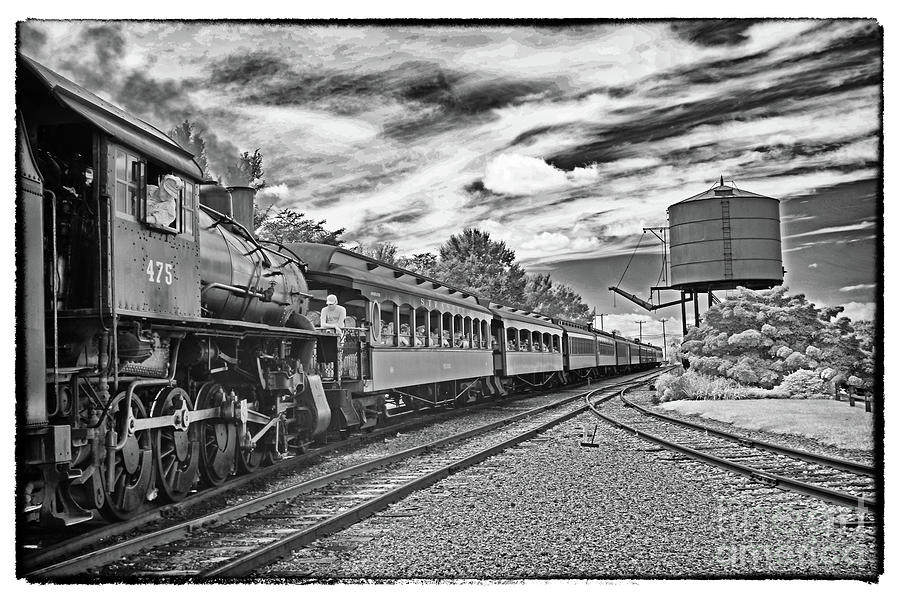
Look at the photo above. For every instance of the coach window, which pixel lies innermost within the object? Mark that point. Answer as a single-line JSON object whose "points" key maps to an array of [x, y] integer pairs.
{"points": [[388, 328], [434, 329], [456, 332], [131, 183], [406, 325], [522, 342], [512, 339], [556, 343], [446, 330], [536, 341], [476, 333], [375, 323], [422, 326], [467, 333]]}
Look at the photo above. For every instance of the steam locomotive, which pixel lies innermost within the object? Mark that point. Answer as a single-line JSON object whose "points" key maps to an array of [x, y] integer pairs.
{"points": [[156, 354]]}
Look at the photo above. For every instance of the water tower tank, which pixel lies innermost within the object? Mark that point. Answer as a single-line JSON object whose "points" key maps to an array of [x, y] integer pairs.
{"points": [[723, 238]]}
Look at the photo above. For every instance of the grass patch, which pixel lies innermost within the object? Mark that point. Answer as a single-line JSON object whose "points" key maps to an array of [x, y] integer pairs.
{"points": [[827, 421]]}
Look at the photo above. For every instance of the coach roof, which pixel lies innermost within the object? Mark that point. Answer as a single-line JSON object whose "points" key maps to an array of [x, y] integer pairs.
{"points": [[366, 272]]}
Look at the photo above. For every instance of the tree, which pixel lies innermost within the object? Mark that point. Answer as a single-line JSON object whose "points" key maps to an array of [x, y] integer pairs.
{"points": [[261, 215], [384, 251], [189, 137], [554, 299], [248, 170], [423, 262], [290, 226], [759, 337], [473, 261]]}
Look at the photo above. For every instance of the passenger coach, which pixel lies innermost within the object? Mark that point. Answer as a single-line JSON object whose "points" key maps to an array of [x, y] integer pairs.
{"points": [[527, 347], [409, 341]]}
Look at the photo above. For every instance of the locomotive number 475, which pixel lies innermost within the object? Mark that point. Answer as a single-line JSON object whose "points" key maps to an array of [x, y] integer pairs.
{"points": [[156, 274]]}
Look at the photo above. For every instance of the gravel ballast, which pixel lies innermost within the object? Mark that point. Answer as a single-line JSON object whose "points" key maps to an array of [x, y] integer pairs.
{"points": [[551, 508]]}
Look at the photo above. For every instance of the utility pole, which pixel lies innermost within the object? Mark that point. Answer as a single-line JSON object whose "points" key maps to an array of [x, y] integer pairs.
{"points": [[663, 321], [641, 330]]}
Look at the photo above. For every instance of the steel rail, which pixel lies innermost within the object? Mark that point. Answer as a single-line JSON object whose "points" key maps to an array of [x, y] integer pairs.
{"points": [[827, 461], [76, 565], [269, 553], [771, 479]]}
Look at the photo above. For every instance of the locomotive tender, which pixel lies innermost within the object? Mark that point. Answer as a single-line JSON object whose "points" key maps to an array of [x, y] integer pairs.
{"points": [[156, 355]]}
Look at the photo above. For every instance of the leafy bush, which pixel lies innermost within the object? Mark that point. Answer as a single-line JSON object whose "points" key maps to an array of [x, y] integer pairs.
{"points": [[760, 337], [802, 383], [692, 385]]}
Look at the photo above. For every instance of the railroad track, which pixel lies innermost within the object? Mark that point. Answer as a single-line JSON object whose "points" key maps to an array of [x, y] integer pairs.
{"points": [[40, 548], [237, 540], [827, 478]]}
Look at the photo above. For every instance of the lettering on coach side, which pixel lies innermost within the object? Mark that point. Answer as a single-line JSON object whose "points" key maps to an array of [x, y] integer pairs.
{"points": [[160, 272]]}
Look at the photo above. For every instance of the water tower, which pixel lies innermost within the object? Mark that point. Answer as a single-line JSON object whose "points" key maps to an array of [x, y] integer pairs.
{"points": [[720, 239]]}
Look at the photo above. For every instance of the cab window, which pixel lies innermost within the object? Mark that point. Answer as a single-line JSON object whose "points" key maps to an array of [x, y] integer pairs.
{"points": [[131, 183], [188, 208]]}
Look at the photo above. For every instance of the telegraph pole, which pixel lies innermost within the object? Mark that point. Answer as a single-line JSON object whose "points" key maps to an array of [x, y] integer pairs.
{"points": [[663, 321], [641, 330]]}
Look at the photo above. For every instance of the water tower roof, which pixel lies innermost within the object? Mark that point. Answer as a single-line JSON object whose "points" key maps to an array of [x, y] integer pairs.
{"points": [[724, 191]]}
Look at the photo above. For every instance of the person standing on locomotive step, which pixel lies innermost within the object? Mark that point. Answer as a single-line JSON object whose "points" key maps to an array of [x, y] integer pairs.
{"points": [[161, 204], [332, 317]]}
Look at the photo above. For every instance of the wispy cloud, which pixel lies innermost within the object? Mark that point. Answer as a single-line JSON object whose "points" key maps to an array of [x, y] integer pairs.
{"points": [[836, 229], [855, 288]]}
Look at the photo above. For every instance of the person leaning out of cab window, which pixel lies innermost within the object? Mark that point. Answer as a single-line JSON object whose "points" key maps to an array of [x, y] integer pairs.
{"points": [[161, 200]]}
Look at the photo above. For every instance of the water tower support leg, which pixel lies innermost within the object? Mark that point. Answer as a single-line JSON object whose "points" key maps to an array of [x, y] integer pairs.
{"points": [[696, 309], [683, 316]]}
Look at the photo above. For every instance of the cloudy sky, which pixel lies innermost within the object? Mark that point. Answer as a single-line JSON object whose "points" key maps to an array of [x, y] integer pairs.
{"points": [[563, 141]]}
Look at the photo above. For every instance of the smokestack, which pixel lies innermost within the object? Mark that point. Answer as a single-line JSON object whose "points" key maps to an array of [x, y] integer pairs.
{"points": [[242, 205], [216, 197]]}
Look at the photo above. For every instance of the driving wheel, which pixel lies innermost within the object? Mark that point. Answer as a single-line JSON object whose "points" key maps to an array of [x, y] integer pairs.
{"points": [[176, 449], [217, 437], [132, 465]]}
